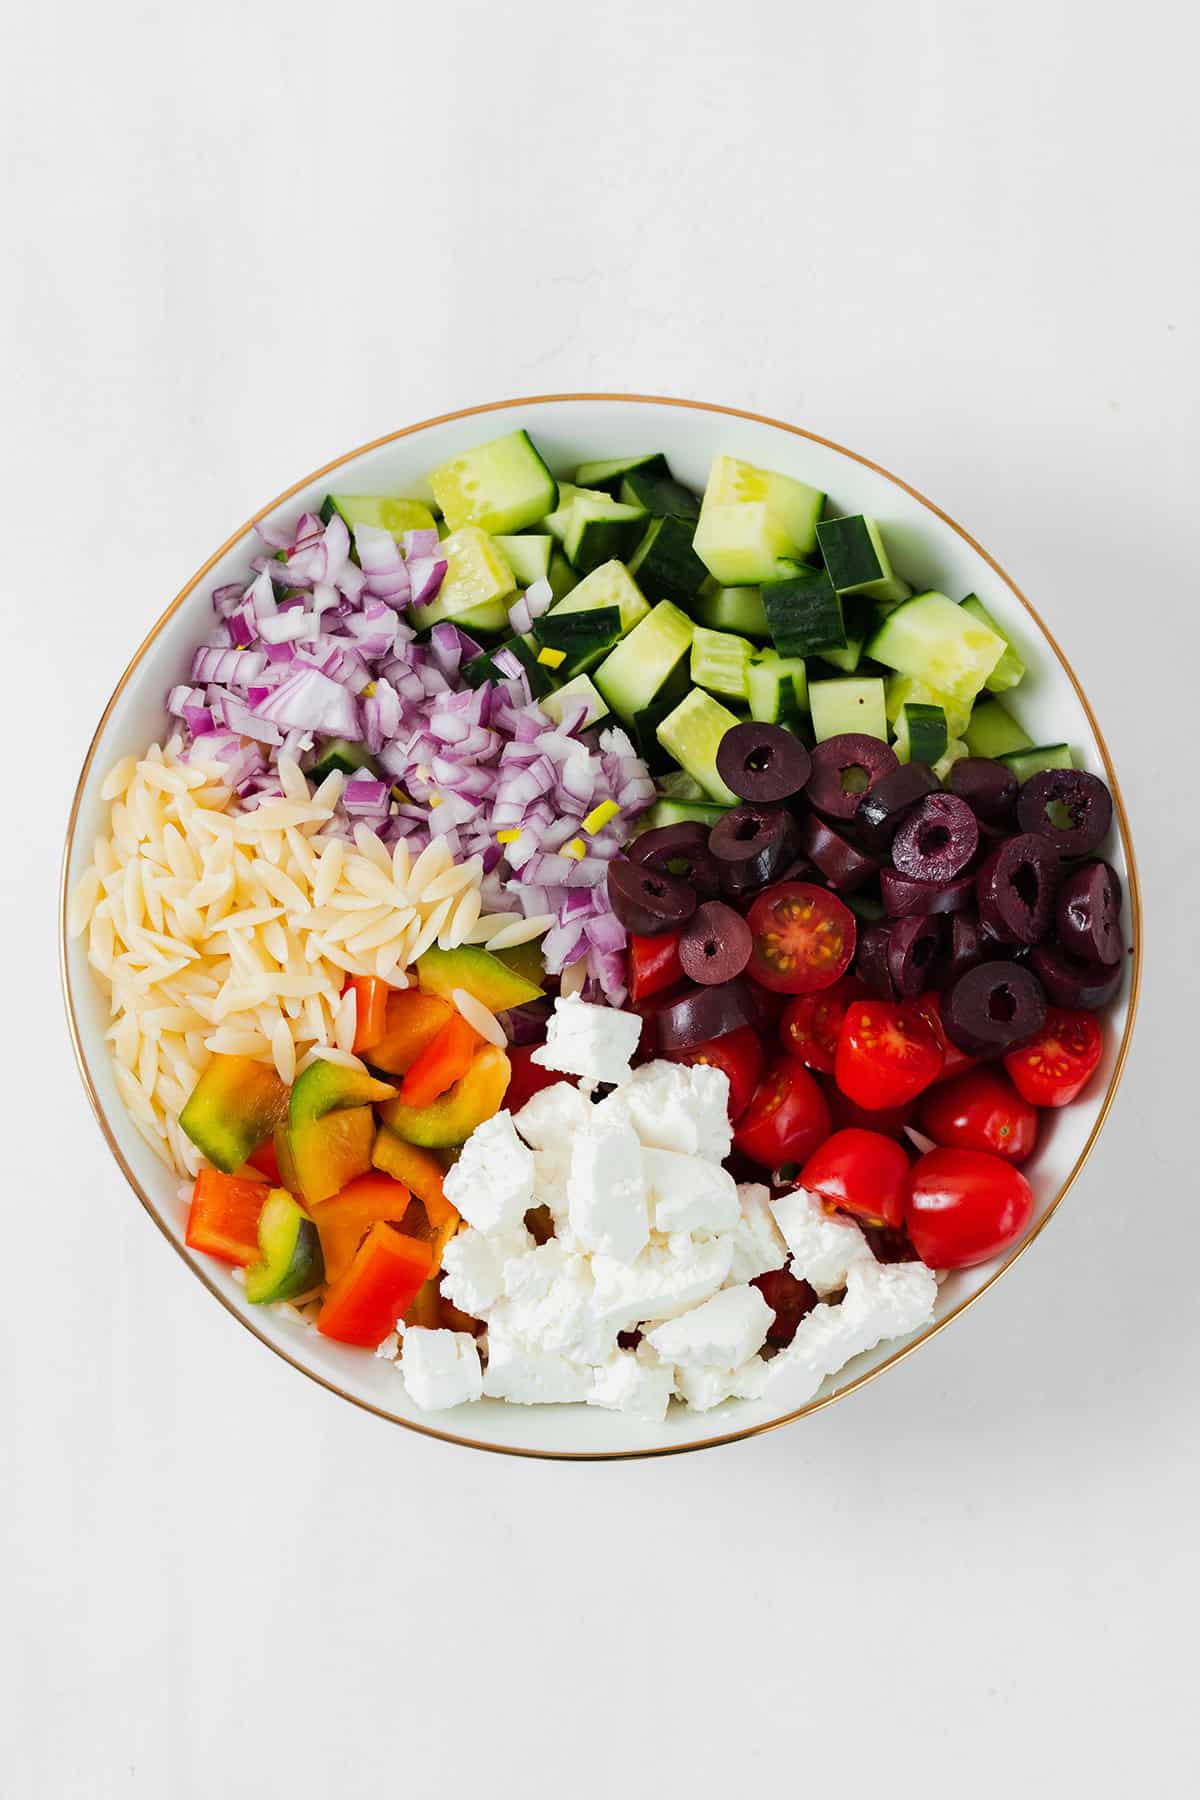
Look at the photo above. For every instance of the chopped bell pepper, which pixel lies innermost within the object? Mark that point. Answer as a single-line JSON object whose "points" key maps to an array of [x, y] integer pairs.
{"points": [[232, 1108], [478, 972], [223, 1216], [441, 1063], [331, 1128], [426, 1307], [381, 1283], [370, 1018], [453, 1116], [419, 1170], [343, 1221], [266, 1161], [413, 1021], [290, 1260], [285, 1162]]}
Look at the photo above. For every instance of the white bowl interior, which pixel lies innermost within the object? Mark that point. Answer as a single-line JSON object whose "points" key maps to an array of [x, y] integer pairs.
{"points": [[925, 548]]}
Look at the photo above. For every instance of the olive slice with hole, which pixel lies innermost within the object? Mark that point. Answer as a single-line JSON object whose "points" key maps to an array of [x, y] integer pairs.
{"points": [[992, 1007], [648, 901], [903, 894], [885, 806], [715, 944], [912, 950], [1016, 888], [844, 867], [988, 788], [761, 762], [937, 840], [1088, 914], [1069, 807], [846, 767], [680, 850], [750, 845]]}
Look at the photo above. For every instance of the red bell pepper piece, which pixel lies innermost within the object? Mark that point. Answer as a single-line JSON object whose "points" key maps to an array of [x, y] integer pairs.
{"points": [[267, 1163], [377, 1289], [654, 965], [223, 1217], [370, 1019], [442, 1063]]}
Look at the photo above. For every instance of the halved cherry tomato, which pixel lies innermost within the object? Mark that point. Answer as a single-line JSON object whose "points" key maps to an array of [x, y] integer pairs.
{"points": [[370, 1018], [804, 938], [860, 1172], [954, 1061], [653, 965], [964, 1206], [887, 1053], [849, 1115], [528, 1077], [740, 1054], [788, 1116], [789, 1299], [980, 1110], [811, 1023], [1056, 1065]]}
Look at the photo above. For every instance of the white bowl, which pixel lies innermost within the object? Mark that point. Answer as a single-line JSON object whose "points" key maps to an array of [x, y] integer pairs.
{"points": [[931, 550]]}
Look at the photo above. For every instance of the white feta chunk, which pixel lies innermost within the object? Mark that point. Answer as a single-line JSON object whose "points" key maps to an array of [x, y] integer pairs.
{"points": [[491, 1184], [674, 1107], [757, 1240], [606, 1190], [473, 1266], [440, 1368], [530, 1375], [824, 1246], [882, 1300], [628, 1384], [547, 1301], [721, 1333], [551, 1117], [594, 1042], [663, 1282], [688, 1194]]}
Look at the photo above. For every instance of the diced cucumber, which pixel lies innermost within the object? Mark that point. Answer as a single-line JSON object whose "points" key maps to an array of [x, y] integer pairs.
{"points": [[680, 812], [579, 633], [609, 585], [561, 575], [593, 527], [1010, 669], [660, 494], [394, 515], [499, 486], [954, 752], [677, 784], [666, 565], [851, 705], [478, 584], [857, 562], [921, 734], [720, 662], [737, 609], [860, 617], [931, 638], [991, 731], [804, 614], [645, 724], [692, 734], [777, 686], [1026, 763], [607, 475], [751, 519], [579, 692], [528, 556], [642, 664], [906, 690], [556, 522], [343, 754]]}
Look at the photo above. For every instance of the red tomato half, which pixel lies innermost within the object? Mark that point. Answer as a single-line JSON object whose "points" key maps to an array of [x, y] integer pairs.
{"points": [[887, 1053], [653, 965], [786, 1119], [860, 1172], [811, 1023], [741, 1056], [954, 1060], [804, 938], [1056, 1065], [964, 1206], [528, 1077], [980, 1110], [847, 1114]]}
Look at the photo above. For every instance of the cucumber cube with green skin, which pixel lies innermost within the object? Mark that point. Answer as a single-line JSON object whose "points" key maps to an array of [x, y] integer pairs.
{"points": [[665, 563], [528, 556], [501, 486], [608, 475], [680, 812], [931, 638], [777, 686], [561, 576], [642, 664], [1010, 669], [854, 704], [905, 690], [526, 648], [596, 533], [677, 784], [991, 731], [751, 519], [692, 734], [478, 584], [579, 633], [661, 495], [582, 691], [921, 734], [737, 609], [1024, 764], [854, 555], [720, 662], [804, 614], [394, 515], [609, 585]]}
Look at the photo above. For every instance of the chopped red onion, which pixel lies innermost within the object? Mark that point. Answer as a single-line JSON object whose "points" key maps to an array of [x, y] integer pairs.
{"points": [[309, 701], [425, 574], [420, 543]]}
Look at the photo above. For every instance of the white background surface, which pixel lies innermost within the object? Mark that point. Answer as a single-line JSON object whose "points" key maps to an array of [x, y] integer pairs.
{"points": [[243, 238]]}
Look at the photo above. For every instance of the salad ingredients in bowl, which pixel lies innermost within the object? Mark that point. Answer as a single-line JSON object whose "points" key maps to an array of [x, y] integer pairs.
{"points": [[588, 940]]}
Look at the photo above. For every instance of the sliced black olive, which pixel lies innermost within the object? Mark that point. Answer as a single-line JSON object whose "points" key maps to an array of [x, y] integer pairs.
{"points": [[844, 769], [762, 762]]}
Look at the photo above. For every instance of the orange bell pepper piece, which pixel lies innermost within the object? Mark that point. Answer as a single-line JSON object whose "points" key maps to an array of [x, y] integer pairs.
{"points": [[370, 1019], [380, 1285], [441, 1063], [344, 1220], [413, 1020], [223, 1217]]}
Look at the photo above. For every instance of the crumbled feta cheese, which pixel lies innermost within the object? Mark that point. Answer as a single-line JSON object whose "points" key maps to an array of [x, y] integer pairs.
{"points": [[626, 1383], [757, 1241], [606, 1192], [440, 1368], [548, 1302], [491, 1184], [824, 1246], [529, 1375], [594, 1042], [473, 1266], [687, 1194], [882, 1300], [674, 1107], [720, 1334], [663, 1282], [551, 1117]]}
